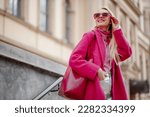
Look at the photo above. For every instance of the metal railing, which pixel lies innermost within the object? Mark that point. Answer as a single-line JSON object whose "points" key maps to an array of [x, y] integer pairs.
{"points": [[48, 89]]}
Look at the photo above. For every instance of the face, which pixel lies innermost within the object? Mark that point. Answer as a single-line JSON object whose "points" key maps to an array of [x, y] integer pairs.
{"points": [[102, 18]]}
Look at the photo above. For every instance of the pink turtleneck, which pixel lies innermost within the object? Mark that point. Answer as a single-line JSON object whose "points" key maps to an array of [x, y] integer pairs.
{"points": [[107, 62]]}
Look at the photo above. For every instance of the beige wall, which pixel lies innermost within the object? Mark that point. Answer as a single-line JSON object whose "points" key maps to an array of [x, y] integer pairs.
{"points": [[1, 25], [2, 4], [32, 11]]}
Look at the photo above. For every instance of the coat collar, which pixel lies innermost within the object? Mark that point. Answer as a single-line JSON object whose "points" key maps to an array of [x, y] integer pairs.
{"points": [[101, 44]]}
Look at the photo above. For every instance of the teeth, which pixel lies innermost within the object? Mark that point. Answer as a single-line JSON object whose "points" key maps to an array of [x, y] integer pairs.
{"points": [[100, 20]]}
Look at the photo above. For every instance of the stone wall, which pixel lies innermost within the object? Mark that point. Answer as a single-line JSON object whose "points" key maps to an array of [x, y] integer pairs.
{"points": [[23, 75]]}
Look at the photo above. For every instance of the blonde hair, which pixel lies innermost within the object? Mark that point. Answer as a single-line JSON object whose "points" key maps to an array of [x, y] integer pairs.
{"points": [[112, 45]]}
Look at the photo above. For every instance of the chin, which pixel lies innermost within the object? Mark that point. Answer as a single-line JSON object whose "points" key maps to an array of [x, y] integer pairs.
{"points": [[100, 25]]}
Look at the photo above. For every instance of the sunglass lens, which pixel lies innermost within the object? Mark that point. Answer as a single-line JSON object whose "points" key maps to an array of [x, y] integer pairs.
{"points": [[104, 14], [96, 15]]}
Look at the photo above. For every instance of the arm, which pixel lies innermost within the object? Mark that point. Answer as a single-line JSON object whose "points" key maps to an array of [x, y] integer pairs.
{"points": [[123, 48], [78, 60]]}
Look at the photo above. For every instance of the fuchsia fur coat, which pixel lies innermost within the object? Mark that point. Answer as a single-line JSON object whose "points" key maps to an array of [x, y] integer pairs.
{"points": [[91, 47]]}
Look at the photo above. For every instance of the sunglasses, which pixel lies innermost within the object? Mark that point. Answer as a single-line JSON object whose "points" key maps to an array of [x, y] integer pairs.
{"points": [[101, 14]]}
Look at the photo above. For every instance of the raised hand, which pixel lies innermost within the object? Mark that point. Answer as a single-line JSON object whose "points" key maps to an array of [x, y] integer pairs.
{"points": [[115, 23]]}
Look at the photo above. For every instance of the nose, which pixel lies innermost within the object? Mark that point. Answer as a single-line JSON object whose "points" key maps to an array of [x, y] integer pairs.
{"points": [[100, 15]]}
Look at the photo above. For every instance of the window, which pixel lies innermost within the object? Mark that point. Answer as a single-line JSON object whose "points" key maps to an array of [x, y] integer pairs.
{"points": [[15, 7], [68, 17], [44, 15], [46, 22]]}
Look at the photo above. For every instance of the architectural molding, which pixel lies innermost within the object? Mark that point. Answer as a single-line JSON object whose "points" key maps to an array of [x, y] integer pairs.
{"points": [[35, 29], [143, 40], [133, 7], [122, 4], [32, 59]]}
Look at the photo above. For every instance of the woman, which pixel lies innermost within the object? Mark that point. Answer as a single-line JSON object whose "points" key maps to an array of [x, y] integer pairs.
{"points": [[106, 46]]}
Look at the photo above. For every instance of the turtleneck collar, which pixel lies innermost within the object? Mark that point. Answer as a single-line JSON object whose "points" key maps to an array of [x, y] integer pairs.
{"points": [[105, 34]]}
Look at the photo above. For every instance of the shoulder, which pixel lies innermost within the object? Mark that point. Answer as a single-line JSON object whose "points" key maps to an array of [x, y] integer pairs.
{"points": [[90, 34], [87, 37]]}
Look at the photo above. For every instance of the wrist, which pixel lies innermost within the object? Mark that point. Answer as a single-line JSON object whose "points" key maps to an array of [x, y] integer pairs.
{"points": [[116, 28]]}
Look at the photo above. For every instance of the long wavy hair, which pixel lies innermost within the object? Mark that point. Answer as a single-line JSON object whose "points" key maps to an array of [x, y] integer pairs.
{"points": [[112, 45]]}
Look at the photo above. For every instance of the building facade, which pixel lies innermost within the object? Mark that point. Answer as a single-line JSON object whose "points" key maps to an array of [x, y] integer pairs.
{"points": [[38, 36]]}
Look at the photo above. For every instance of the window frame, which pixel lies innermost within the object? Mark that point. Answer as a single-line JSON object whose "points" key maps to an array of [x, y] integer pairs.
{"points": [[44, 28], [68, 21], [16, 9]]}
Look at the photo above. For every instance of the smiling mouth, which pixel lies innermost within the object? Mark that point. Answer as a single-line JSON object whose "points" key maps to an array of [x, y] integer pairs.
{"points": [[100, 20]]}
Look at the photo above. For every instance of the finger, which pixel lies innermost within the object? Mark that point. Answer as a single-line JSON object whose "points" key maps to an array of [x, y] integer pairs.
{"points": [[115, 20], [106, 75], [112, 22], [102, 78]]}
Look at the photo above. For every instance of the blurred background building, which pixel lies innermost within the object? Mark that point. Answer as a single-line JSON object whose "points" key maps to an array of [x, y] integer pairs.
{"points": [[37, 37]]}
